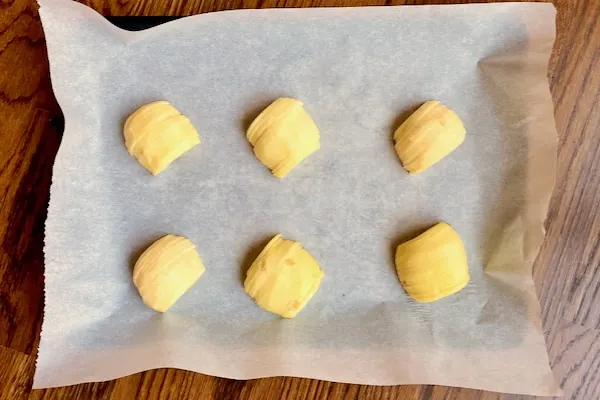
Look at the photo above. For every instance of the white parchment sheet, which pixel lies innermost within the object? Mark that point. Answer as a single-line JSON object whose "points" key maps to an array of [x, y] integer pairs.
{"points": [[359, 71]]}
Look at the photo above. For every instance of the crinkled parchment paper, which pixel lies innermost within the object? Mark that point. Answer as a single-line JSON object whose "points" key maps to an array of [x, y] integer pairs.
{"points": [[359, 71]]}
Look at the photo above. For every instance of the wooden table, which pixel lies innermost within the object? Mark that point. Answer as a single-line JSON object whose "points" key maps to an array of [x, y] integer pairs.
{"points": [[567, 271]]}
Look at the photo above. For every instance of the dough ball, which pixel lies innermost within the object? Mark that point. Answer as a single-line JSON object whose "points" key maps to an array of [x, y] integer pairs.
{"points": [[433, 265], [283, 278], [166, 270], [283, 135], [157, 134], [428, 135]]}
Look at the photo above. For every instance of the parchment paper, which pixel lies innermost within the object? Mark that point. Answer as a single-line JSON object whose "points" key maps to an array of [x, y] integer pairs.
{"points": [[359, 72]]}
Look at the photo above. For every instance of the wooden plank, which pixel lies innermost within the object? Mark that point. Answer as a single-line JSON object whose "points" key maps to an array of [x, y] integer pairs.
{"points": [[27, 150], [15, 373]]}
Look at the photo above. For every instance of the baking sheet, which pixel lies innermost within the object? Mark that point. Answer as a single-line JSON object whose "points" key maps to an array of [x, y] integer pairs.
{"points": [[359, 71]]}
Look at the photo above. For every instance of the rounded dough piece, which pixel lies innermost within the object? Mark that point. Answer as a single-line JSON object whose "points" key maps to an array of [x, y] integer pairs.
{"points": [[157, 134], [283, 135], [283, 278], [427, 136], [166, 270], [433, 265]]}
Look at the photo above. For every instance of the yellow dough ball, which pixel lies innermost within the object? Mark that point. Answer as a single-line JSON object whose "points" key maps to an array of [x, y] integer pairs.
{"points": [[283, 135], [433, 265], [166, 270], [283, 278], [157, 134], [428, 135]]}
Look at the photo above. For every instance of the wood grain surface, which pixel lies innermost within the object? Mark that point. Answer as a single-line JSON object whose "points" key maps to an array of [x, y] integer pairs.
{"points": [[567, 270]]}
